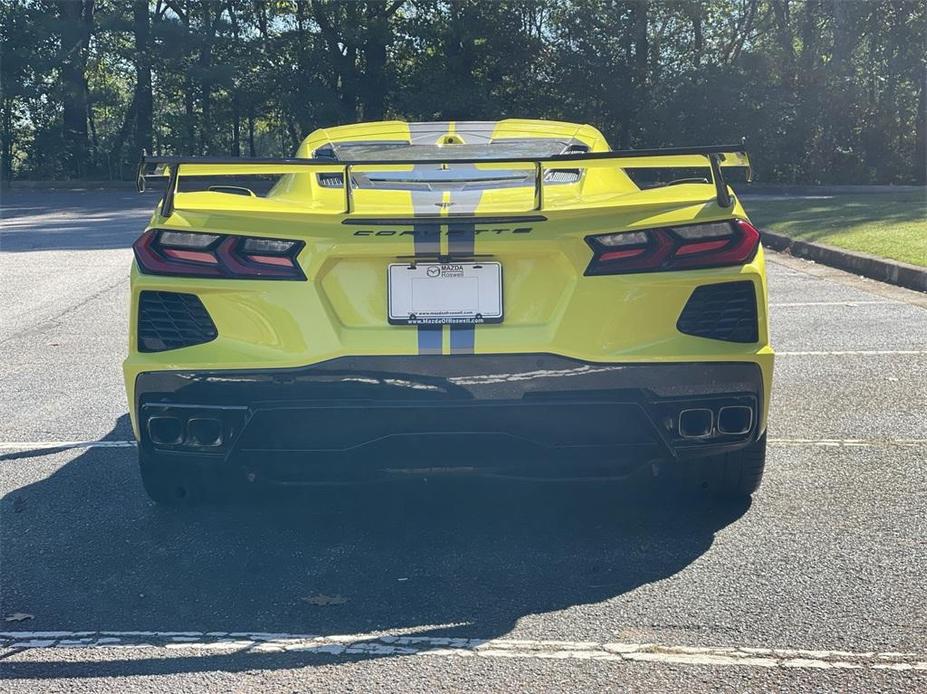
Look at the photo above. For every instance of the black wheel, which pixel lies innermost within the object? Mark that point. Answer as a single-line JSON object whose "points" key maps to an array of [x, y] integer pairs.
{"points": [[729, 476], [736, 475], [171, 484]]}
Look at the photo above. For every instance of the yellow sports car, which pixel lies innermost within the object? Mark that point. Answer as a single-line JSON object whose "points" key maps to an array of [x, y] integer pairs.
{"points": [[497, 298]]}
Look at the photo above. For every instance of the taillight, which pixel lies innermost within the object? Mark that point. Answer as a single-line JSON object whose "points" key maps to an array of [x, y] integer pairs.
{"points": [[194, 254], [687, 247]]}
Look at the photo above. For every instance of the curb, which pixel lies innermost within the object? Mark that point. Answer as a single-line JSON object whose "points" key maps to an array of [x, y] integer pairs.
{"points": [[889, 271]]}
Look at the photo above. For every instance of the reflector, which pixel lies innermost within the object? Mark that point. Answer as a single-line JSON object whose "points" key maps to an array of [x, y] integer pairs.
{"points": [[267, 246], [630, 238], [182, 239], [693, 232]]}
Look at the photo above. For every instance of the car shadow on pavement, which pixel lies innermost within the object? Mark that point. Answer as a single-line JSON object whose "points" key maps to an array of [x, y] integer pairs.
{"points": [[84, 550]]}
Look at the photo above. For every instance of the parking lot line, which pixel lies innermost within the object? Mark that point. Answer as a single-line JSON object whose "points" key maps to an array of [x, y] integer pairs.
{"points": [[58, 446], [851, 352], [791, 304], [387, 645], [39, 445], [847, 442]]}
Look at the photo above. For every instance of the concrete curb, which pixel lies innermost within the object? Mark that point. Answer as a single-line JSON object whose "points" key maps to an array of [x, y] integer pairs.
{"points": [[890, 271]]}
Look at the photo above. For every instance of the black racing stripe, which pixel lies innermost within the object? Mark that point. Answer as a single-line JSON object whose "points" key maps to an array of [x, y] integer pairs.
{"points": [[427, 242], [461, 241]]}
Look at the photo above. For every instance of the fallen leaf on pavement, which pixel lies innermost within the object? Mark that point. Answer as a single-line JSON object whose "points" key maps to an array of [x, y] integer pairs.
{"points": [[325, 599], [18, 617]]}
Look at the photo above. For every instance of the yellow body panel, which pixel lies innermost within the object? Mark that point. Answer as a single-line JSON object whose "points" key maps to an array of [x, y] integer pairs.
{"points": [[550, 306]]}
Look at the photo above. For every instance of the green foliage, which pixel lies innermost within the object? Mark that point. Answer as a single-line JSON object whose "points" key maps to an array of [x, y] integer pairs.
{"points": [[824, 91]]}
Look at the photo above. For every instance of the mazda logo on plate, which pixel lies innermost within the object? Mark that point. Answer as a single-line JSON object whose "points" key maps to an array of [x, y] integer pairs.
{"points": [[433, 271]]}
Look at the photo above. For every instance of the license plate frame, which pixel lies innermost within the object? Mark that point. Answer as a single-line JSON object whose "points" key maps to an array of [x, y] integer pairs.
{"points": [[471, 293]]}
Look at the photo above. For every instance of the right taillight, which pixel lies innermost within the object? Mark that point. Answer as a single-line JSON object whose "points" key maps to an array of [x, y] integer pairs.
{"points": [[684, 247]]}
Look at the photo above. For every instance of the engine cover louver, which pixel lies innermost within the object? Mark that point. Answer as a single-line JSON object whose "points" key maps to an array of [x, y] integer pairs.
{"points": [[331, 180], [169, 320], [721, 312]]}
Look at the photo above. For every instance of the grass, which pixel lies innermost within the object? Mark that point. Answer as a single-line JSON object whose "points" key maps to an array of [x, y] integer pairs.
{"points": [[890, 225]]}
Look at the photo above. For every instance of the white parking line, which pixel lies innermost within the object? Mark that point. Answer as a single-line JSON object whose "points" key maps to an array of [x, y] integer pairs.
{"points": [[851, 443], [386, 645], [39, 445], [56, 446], [833, 303], [866, 353]]}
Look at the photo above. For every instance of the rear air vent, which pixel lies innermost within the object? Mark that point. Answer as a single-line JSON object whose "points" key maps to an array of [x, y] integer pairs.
{"points": [[562, 176], [331, 180], [721, 312], [167, 320]]}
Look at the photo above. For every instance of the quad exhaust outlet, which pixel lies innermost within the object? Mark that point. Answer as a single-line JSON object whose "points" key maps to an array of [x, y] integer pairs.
{"points": [[197, 432], [703, 423]]}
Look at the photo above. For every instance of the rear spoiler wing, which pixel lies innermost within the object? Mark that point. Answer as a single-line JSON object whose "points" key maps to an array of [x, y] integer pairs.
{"points": [[715, 156]]}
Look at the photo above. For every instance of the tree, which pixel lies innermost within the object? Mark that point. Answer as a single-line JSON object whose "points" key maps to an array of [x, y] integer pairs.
{"points": [[824, 90], [141, 24], [75, 26]]}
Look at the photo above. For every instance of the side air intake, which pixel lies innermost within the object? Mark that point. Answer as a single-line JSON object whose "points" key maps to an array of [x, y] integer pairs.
{"points": [[721, 312], [168, 320]]}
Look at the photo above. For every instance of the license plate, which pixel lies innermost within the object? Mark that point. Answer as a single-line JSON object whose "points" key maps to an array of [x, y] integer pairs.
{"points": [[445, 293]]}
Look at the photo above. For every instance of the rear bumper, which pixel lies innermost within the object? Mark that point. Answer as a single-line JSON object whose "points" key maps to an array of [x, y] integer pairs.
{"points": [[355, 418]]}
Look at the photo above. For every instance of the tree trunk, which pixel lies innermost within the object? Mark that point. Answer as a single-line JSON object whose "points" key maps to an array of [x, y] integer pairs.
{"points": [[251, 150], [143, 96], [782, 11], [210, 19], [374, 98], [641, 70], [379, 36], [347, 79], [8, 135], [698, 39], [188, 99], [76, 18], [920, 141], [115, 152], [236, 126]]}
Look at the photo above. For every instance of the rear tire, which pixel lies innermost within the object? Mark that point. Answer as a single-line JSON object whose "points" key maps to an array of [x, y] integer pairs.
{"points": [[171, 484], [737, 475], [729, 476]]}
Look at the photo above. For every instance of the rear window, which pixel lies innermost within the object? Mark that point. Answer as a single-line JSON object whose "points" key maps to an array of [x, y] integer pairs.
{"points": [[537, 148]]}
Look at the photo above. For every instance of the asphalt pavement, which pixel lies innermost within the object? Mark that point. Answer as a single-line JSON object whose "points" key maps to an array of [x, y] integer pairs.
{"points": [[819, 584]]}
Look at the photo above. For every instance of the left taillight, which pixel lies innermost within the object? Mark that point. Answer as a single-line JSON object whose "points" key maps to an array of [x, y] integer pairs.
{"points": [[684, 247], [195, 254]]}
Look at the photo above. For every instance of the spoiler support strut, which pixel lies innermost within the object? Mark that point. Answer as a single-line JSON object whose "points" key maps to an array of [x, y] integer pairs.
{"points": [[167, 203], [721, 192]]}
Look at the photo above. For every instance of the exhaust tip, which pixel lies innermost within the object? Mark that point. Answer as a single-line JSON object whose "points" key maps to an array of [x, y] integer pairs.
{"points": [[204, 431], [696, 423], [165, 431], [735, 419]]}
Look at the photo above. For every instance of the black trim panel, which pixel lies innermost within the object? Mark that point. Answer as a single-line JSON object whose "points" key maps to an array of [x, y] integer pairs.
{"points": [[465, 376], [443, 220], [341, 417]]}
